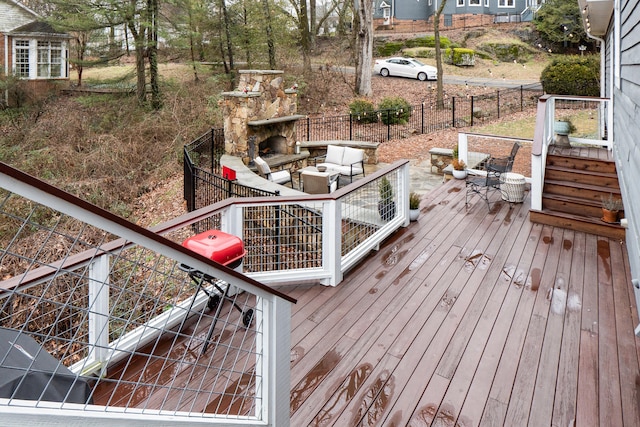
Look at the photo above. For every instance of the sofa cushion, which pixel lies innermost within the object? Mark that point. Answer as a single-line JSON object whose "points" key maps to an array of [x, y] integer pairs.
{"points": [[342, 170], [263, 167], [334, 154], [352, 155]]}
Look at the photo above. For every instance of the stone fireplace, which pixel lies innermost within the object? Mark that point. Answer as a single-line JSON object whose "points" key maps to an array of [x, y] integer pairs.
{"points": [[260, 116]]}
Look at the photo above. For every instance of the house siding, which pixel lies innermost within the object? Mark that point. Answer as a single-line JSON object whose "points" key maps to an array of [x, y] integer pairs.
{"points": [[626, 120], [13, 16], [422, 11]]}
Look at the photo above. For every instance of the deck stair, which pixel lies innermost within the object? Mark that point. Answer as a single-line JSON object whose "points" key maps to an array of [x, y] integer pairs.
{"points": [[572, 192]]}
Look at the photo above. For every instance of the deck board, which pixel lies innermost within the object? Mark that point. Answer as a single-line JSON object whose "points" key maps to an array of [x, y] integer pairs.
{"points": [[452, 322]]}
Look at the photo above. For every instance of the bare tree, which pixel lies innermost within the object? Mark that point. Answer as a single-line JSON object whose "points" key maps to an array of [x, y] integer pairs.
{"points": [[436, 34], [269, 31], [152, 47], [364, 46]]}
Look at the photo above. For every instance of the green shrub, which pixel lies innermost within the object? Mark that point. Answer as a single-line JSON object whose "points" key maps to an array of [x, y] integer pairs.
{"points": [[460, 56], [428, 41], [420, 52], [394, 110], [363, 110], [390, 48], [572, 75], [508, 52]]}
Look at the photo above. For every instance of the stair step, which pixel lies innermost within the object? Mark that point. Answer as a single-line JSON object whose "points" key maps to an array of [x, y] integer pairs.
{"points": [[590, 192], [602, 179], [571, 205], [582, 164], [584, 224]]}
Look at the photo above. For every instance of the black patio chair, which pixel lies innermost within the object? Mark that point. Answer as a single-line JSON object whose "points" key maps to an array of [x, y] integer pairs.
{"points": [[484, 185], [505, 164]]}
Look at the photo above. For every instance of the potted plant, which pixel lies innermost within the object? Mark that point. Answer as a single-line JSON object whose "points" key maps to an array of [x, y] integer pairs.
{"points": [[459, 168], [611, 208], [563, 128], [386, 205], [414, 206]]}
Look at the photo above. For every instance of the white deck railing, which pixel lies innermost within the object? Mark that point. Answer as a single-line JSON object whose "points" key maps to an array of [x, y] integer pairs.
{"points": [[98, 304], [552, 108]]}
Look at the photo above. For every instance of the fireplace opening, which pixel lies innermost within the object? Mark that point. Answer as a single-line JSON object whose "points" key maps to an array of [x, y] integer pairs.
{"points": [[272, 146]]}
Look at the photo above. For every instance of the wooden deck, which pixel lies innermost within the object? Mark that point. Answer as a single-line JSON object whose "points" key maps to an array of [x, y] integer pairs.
{"points": [[471, 317], [468, 317]]}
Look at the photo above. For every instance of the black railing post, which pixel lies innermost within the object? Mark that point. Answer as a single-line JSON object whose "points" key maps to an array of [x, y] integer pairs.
{"points": [[229, 188], [308, 128], [213, 149], [472, 100], [350, 126], [453, 111], [422, 118], [188, 180], [388, 125], [498, 98], [521, 98], [277, 245]]}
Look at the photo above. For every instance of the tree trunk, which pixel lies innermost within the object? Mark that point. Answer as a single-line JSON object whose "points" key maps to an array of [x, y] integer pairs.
{"points": [[227, 32], [303, 27], [436, 34], [343, 21], [364, 46], [139, 41], [312, 24], [192, 48], [269, 30], [152, 34]]}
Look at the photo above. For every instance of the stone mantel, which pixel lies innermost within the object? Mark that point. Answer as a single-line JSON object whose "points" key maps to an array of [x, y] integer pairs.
{"points": [[275, 120]]}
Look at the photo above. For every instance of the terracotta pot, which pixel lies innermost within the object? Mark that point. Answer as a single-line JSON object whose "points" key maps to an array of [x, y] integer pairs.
{"points": [[609, 216]]}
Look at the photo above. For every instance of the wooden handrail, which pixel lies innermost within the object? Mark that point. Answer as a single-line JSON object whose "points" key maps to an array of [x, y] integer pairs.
{"points": [[538, 134]]}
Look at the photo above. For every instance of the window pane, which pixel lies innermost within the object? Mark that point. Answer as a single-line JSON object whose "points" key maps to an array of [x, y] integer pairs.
{"points": [[22, 58], [56, 63]]}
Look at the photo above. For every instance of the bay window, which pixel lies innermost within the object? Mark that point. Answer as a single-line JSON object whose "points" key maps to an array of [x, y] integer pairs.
{"points": [[40, 59]]}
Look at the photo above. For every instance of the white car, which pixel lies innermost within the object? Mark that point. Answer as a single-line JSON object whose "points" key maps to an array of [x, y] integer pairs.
{"points": [[405, 67]]}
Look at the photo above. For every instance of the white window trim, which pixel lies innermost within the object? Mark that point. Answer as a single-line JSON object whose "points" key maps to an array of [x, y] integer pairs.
{"points": [[33, 58], [478, 4], [506, 6], [486, 3], [460, 3]]}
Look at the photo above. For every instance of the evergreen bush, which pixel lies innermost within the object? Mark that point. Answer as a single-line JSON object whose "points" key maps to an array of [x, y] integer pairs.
{"points": [[572, 75], [428, 41], [394, 110], [460, 56], [363, 110], [390, 48]]}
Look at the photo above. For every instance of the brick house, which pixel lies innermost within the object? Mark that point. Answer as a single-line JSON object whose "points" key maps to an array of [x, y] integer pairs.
{"points": [[31, 51]]}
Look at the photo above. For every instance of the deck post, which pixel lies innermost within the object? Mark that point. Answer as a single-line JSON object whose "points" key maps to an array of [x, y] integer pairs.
{"points": [[98, 311], [278, 361], [332, 242]]}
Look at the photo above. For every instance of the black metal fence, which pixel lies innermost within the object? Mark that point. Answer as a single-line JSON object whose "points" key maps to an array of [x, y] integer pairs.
{"points": [[203, 184], [424, 118]]}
